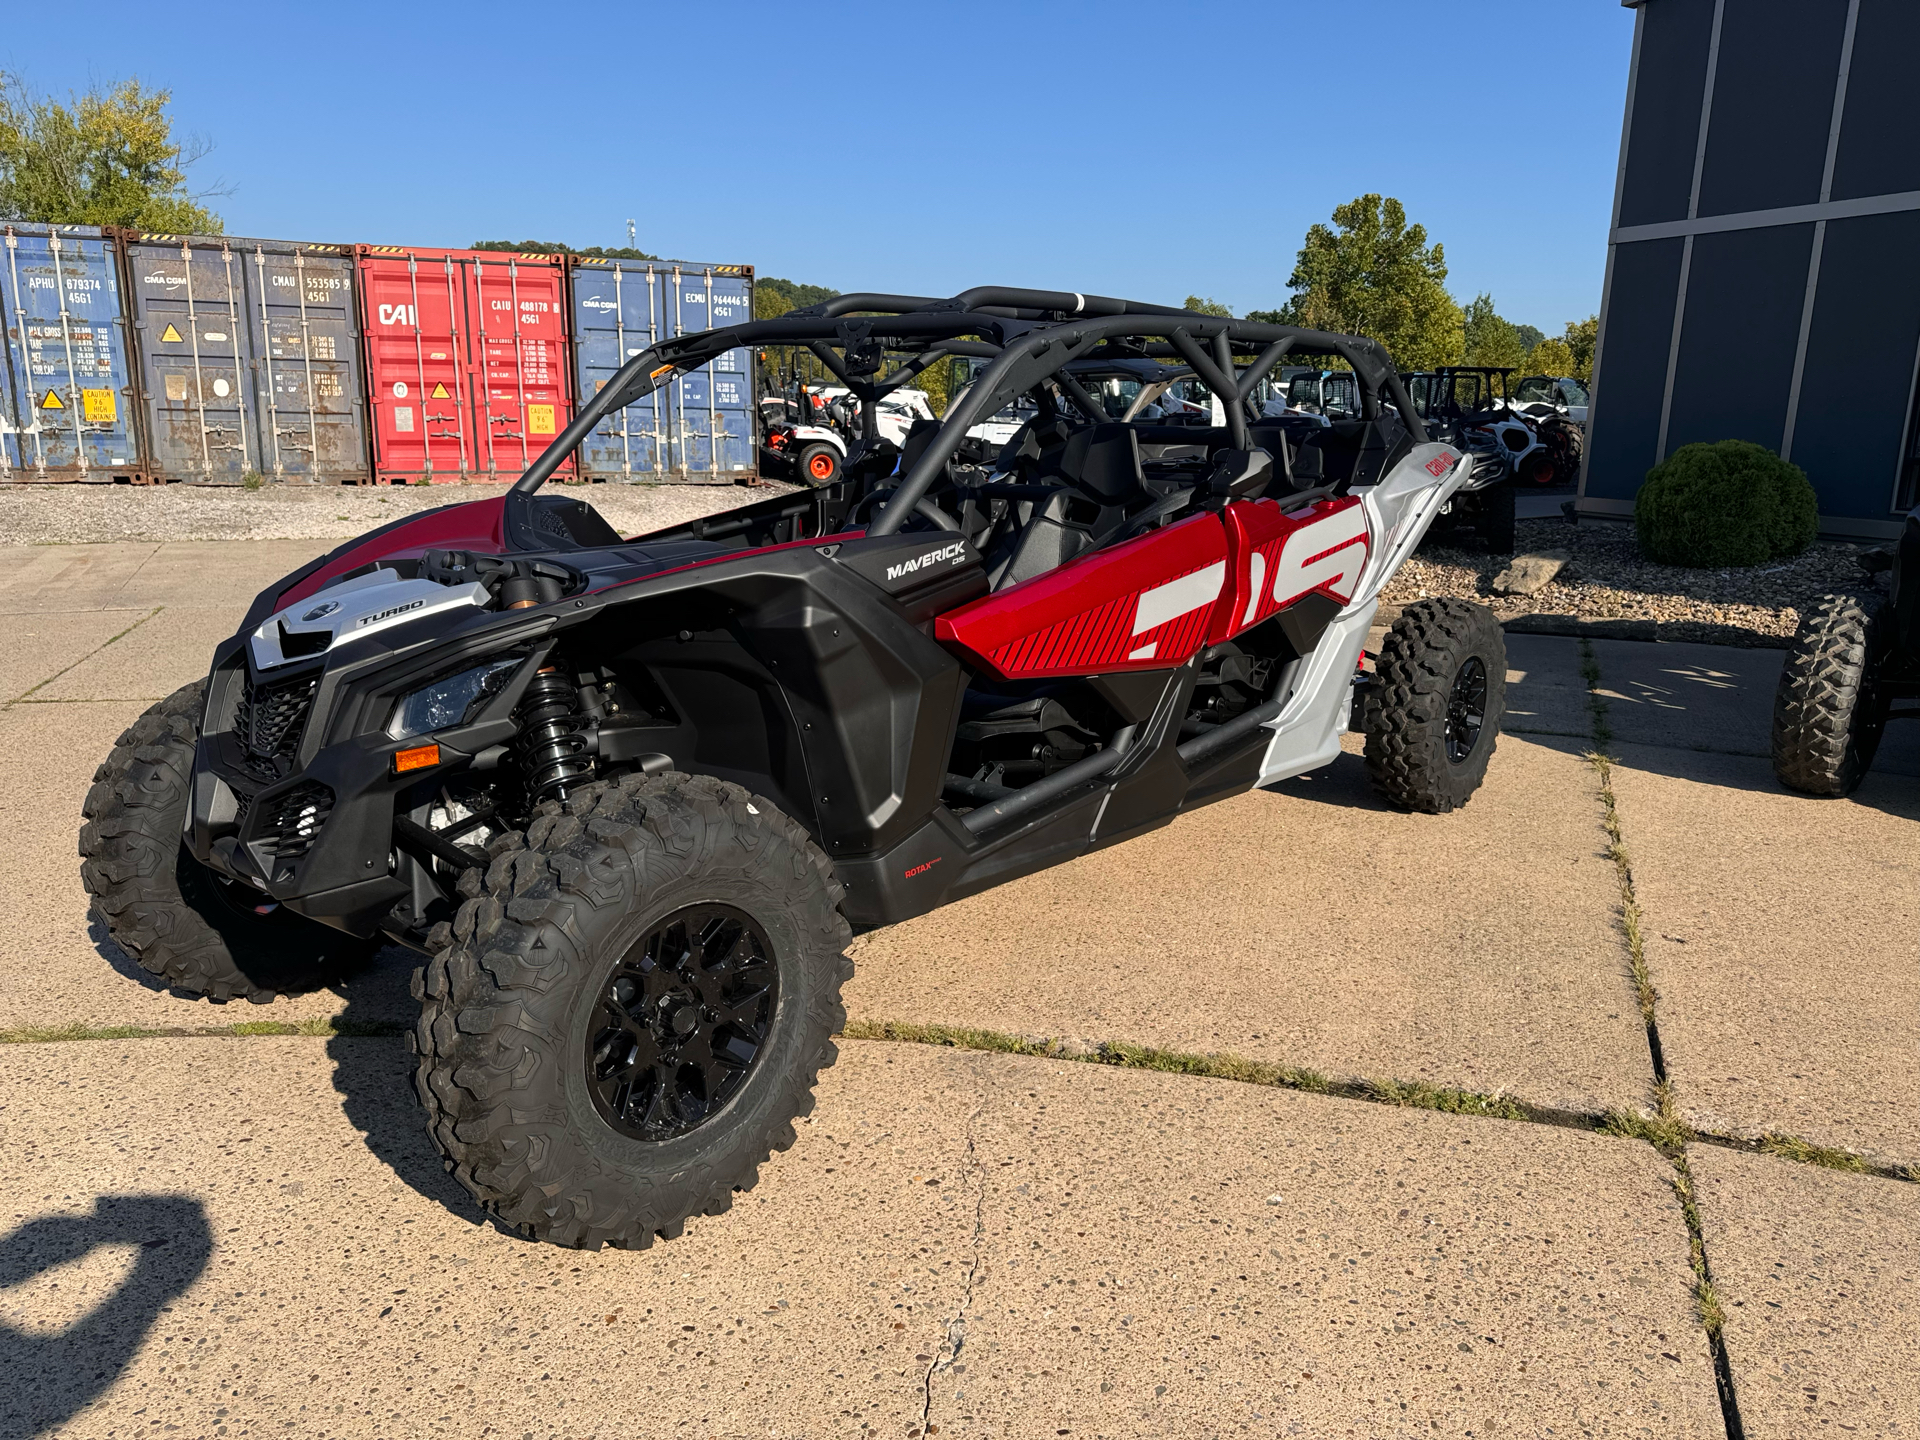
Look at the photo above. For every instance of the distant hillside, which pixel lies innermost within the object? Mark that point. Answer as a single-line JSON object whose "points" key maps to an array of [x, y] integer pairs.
{"points": [[554, 247], [776, 297]]}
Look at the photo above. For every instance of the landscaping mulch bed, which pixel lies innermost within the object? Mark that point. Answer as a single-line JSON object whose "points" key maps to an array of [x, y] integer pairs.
{"points": [[1609, 579]]}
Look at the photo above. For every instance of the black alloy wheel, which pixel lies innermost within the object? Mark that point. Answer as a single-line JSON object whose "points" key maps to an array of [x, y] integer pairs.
{"points": [[682, 1018], [1466, 710]]}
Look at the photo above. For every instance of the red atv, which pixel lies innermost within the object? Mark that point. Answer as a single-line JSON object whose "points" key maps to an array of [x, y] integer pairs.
{"points": [[629, 796]]}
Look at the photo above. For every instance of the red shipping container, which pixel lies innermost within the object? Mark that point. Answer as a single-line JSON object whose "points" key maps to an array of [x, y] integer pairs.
{"points": [[466, 361]]}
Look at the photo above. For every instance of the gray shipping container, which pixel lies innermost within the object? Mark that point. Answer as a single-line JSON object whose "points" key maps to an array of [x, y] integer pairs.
{"points": [[66, 388], [249, 359]]}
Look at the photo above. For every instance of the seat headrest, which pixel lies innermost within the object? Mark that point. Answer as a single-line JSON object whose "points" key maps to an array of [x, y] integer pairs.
{"points": [[1240, 474]]}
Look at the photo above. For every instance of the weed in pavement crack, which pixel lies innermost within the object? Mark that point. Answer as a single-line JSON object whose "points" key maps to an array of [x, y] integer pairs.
{"points": [[1664, 1129], [956, 1337]]}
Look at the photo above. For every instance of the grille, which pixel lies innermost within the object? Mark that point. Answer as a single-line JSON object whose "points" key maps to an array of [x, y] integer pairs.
{"points": [[270, 720], [293, 820]]}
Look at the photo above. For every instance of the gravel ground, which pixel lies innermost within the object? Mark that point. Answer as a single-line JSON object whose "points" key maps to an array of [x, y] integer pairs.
{"points": [[1608, 579], [92, 514]]}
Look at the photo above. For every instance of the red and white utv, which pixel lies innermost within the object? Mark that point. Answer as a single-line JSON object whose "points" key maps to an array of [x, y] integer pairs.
{"points": [[628, 796]]}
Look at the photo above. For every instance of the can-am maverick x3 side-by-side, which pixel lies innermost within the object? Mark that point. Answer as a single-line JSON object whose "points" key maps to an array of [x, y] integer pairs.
{"points": [[629, 796]]}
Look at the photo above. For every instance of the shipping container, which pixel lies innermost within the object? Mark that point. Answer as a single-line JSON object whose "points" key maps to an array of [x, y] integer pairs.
{"points": [[66, 387], [710, 419], [622, 306], [466, 361], [617, 313], [249, 359]]}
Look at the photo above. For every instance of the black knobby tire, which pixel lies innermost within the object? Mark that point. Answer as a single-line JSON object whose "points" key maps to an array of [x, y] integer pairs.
{"points": [[818, 464], [1827, 720], [1421, 752], [179, 920], [517, 984], [1495, 520]]}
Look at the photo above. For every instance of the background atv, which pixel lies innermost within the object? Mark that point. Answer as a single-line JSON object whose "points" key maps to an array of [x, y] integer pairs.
{"points": [[1466, 406], [1556, 407], [1853, 662], [628, 796]]}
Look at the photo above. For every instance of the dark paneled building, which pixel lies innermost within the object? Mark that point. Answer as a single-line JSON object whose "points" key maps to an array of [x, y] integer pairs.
{"points": [[1763, 269]]}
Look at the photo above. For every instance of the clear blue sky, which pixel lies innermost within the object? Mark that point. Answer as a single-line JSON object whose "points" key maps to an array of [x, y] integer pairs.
{"points": [[1129, 149]]}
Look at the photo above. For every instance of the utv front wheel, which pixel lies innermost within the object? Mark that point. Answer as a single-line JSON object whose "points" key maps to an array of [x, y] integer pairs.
{"points": [[1827, 720], [630, 1009], [1433, 710], [194, 929]]}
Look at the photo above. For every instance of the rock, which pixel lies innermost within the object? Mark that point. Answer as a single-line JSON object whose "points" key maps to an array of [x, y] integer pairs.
{"points": [[1530, 574]]}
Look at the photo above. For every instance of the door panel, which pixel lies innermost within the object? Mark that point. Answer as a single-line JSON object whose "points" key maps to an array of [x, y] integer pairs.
{"points": [[1143, 605]]}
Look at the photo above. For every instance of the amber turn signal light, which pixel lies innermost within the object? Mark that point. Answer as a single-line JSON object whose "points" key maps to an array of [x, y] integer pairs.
{"points": [[420, 757]]}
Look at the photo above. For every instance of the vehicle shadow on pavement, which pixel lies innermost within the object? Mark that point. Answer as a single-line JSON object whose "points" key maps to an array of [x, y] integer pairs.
{"points": [[1893, 792], [124, 965], [373, 1073], [1342, 783], [71, 1365]]}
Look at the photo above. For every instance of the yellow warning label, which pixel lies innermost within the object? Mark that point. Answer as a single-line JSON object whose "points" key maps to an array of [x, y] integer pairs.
{"points": [[170, 334], [540, 419], [439, 393], [54, 402], [98, 406]]}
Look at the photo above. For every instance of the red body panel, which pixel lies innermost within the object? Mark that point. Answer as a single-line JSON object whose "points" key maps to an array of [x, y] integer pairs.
{"points": [[1142, 605], [1276, 558], [466, 361], [480, 526]]}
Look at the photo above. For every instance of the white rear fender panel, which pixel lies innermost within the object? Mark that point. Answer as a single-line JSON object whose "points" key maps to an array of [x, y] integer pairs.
{"points": [[1401, 507], [1306, 734]]}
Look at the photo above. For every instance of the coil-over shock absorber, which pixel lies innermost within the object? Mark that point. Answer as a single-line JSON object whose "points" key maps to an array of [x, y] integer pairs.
{"points": [[552, 749]]}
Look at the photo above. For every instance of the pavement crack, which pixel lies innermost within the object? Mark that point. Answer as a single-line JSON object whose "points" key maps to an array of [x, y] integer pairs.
{"points": [[1665, 1129], [956, 1336], [24, 695]]}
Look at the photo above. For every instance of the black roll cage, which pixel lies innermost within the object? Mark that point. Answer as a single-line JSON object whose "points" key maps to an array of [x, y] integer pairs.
{"points": [[1030, 337]]}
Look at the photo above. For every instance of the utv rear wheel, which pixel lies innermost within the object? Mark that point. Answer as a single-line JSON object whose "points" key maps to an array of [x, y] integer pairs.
{"points": [[819, 465], [1827, 718], [1433, 710], [194, 929], [630, 1009]]}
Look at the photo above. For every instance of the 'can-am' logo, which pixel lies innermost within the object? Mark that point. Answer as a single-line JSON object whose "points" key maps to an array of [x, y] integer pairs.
{"points": [[1439, 465], [954, 551], [321, 611], [374, 619]]}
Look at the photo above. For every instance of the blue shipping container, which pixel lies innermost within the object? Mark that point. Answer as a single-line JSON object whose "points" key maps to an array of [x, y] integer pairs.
{"points": [[66, 394], [617, 308], [249, 357], [700, 426]]}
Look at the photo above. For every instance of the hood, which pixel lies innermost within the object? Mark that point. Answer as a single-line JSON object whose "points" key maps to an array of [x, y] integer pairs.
{"points": [[345, 611]]}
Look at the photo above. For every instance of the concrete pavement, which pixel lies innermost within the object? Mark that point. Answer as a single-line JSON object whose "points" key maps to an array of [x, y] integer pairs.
{"points": [[253, 1233], [997, 1245]]}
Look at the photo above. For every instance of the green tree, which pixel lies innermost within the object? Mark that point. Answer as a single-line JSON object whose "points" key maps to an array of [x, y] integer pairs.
{"points": [[555, 247], [107, 157], [1550, 357], [1204, 306], [1581, 338], [1530, 335], [1489, 339], [796, 295], [1377, 276]]}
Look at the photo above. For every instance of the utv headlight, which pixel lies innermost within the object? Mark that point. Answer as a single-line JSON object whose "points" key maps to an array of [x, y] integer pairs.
{"points": [[448, 702]]}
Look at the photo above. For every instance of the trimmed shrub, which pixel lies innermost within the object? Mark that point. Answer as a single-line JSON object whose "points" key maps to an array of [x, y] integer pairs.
{"points": [[1728, 503]]}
